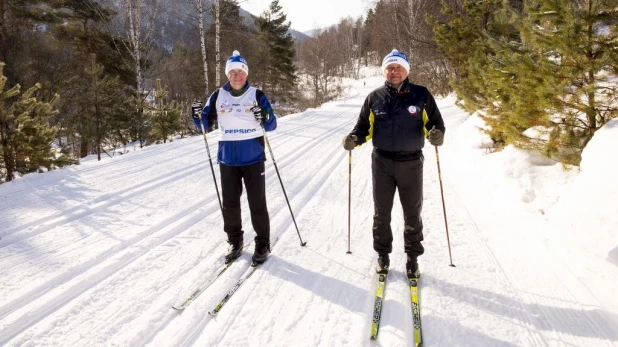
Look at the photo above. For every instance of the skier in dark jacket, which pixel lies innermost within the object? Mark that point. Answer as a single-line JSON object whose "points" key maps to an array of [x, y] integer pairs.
{"points": [[241, 111], [397, 116]]}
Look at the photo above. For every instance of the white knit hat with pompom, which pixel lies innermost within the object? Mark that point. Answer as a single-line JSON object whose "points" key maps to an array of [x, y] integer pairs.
{"points": [[236, 62], [396, 57]]}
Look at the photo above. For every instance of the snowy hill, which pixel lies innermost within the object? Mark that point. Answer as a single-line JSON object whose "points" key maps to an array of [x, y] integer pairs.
{"points": [[96, 254]]}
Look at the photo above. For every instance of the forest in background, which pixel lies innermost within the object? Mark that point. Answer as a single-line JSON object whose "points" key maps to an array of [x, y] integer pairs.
{"points": [[80, 77]]}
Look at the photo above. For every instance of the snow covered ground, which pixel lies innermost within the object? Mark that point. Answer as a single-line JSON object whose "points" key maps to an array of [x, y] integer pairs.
{"points": [[96, 254]]}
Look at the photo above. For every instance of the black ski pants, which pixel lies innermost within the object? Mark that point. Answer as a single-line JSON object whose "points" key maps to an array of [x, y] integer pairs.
{"points": [[232, 178], [407, 178]]}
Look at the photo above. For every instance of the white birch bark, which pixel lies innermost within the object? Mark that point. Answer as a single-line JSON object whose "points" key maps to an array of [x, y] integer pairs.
{"points": [[199, 6], [217, 42], [133, 15], [140, 36]]}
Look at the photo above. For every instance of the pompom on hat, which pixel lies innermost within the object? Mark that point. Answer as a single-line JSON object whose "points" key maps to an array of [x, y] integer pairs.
{"points": [[396, 57], [236, 62]]}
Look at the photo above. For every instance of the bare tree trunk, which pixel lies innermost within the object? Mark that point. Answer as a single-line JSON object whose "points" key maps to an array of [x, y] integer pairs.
{"points": [[133, 13], [217, 42], [140, 41], [199, 6], [140, 38], [411, 26], [360, 28]]}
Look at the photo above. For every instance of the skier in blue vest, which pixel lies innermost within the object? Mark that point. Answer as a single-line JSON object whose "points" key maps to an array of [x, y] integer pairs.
{"points": [[241, 111]]}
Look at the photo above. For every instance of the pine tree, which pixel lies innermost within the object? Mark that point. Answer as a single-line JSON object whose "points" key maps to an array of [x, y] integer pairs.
{"points": [[368, 24], [26, 138], [99, 105], [552, 88], [83, 27], [462, 38], [137, 120], [383, 30], [17, 23], [279, 55], [494, 71], [165, 118], [541, 71], [575, 42]]}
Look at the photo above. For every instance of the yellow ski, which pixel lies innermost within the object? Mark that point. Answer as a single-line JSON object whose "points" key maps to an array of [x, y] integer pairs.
{"points": [[416, 308], [377, 307]]}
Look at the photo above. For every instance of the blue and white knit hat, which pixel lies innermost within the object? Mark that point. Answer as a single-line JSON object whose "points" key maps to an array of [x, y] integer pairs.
{"points": [[236, 62], [396, 57]]}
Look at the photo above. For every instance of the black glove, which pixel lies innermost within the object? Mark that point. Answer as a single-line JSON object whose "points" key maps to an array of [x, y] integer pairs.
{"points": [[260, 115], [349, 142], [436, 137]]}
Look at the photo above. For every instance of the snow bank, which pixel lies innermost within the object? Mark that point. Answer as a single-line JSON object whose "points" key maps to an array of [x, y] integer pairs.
{"points": [[587, 214], [528, 180]]}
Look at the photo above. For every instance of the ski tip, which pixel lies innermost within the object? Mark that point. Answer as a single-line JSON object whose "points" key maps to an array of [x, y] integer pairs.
{"points": [[178, 308], [212, 313], [452, 265]]}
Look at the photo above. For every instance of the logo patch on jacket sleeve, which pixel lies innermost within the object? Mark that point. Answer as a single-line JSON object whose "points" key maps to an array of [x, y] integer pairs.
{"points": [[414, 110], [379, 111]]}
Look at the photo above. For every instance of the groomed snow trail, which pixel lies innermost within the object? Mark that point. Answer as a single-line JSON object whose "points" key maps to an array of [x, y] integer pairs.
{"points": [[97, 254]]}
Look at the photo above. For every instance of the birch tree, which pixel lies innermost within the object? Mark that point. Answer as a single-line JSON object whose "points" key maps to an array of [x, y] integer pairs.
{"points": [[217, 42], [133, 16], [140, 41], [199, 7], [230, 33]]}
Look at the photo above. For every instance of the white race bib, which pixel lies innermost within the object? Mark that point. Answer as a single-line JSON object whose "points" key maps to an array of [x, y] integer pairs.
{"points": [[236, 120]]}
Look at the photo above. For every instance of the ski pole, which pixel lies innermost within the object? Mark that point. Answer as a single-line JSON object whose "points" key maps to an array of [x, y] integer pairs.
{"points": [[444, 207], [282, 187], [197, 111], [349, 197]]}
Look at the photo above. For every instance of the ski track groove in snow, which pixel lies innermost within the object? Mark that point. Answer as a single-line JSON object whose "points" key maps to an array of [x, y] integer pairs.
{"points": [[462, 220], [126, 194], [279, 210], [88, 207], [137, 157], [223, 284], [315, 181], [53, 251], [74, 287], [103, 286]]}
